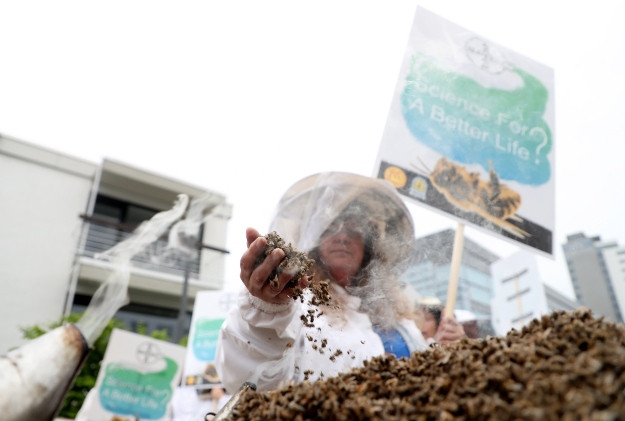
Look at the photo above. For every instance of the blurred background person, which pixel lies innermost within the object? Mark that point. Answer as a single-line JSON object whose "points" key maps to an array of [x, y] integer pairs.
{"points": [[434, 325]]}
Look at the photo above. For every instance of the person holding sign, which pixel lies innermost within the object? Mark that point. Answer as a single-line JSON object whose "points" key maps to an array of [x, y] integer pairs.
{"points": [[361, 236], [431, 321]]}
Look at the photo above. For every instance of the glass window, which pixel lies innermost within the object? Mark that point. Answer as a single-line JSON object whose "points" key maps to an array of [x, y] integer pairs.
{"points": [[107, 212], [125, 213], [135, 215]]}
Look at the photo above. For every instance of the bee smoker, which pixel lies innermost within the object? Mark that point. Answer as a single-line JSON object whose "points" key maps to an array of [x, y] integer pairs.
{"points": [[226, 411], [35, 377]]}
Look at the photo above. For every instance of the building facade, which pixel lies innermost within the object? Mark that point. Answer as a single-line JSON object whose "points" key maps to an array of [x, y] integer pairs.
{"points": [[597, 271], [429, 273], [503, 293], [520, 295], [59, 213]]}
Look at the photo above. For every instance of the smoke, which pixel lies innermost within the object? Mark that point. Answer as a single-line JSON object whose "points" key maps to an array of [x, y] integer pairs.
{"points": [[383, 295], [184, 235], [183, 221]]}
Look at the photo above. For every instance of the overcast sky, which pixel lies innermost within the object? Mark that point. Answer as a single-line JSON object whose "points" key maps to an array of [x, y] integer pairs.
{"points": [[246, 97]]}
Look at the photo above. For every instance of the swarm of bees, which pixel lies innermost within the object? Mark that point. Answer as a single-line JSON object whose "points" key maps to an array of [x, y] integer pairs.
{"points": [[561, 366], [489, 199]]}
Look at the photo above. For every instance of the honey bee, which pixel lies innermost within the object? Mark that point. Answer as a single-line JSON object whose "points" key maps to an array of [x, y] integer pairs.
{"points": [[490, 199]]}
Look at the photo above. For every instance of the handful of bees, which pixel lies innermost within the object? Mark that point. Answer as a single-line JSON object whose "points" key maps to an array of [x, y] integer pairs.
{"points": [[295, 262], [298, 265]]}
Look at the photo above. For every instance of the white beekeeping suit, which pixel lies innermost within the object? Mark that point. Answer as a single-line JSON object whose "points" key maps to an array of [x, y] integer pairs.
{"points": [[268, 344]]}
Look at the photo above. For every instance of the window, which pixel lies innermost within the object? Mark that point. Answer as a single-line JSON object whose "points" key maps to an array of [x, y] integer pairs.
{"points": [[124, 213]]}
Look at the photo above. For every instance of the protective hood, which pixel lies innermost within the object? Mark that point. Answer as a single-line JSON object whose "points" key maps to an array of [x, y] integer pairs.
{"points": [[308, 208]]}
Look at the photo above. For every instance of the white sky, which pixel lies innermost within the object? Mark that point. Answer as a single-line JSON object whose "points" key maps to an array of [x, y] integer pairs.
{"points": [[246, 97]]}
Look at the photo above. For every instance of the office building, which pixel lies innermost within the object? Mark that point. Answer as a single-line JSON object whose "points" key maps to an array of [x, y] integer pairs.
{"points": [[429, 272], [502, 292], [520, 295], [597, 271]]}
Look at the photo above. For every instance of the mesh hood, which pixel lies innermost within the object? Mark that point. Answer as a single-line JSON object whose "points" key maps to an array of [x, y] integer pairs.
{"points": [[308, 208]]}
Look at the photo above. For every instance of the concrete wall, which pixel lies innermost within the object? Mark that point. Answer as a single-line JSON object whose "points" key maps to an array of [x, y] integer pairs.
{"points": [[614, 257], [519, 294], [42, 194], [212, 269]]}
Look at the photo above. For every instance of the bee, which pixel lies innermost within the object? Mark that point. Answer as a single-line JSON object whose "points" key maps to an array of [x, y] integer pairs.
{"points": [[489, 199]]}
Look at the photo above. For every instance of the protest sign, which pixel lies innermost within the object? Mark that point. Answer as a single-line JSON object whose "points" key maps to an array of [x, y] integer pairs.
{"points": [[136, 380], [209, 312], [470, 133]]}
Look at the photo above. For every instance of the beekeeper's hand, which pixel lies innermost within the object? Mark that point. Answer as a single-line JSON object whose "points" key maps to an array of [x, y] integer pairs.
{"points": [[255, 277]]}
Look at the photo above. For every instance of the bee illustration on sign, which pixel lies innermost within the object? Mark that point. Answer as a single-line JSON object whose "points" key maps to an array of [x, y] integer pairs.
{"points": [[490, 199]]}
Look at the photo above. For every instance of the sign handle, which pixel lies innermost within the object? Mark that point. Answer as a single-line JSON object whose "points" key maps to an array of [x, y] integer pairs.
{"points": [[456, 259]]}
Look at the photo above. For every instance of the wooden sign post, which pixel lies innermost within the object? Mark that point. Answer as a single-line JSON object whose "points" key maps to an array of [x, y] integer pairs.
{"points": [[454, 273]]}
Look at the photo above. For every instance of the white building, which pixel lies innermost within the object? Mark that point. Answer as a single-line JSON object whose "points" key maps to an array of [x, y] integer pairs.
{"points": [[57, 212], [520, 294], [597, 270], [614, 256]]}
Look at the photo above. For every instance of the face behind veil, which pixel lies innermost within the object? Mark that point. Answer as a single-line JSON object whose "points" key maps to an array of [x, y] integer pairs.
{"points": [[313, 204]]}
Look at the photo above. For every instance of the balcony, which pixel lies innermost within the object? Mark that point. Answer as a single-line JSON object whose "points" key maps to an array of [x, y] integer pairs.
{"points": [[102, 235]]}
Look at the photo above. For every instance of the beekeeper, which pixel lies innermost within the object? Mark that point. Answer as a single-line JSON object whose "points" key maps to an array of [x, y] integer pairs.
{"points": [[361, 236]]}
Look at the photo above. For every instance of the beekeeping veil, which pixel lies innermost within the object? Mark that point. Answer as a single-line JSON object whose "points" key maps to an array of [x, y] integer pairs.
{"points": [[308, 208]]}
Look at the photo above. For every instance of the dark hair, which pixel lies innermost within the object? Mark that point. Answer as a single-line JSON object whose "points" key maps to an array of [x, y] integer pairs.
{"points": [[435, 310]]}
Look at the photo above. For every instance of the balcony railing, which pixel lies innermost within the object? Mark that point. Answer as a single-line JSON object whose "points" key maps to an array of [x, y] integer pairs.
{"points": [[102, 235]]}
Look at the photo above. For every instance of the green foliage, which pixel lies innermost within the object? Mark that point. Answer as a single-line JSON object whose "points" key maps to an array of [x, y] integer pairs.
{"points": [[86, 378]]}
